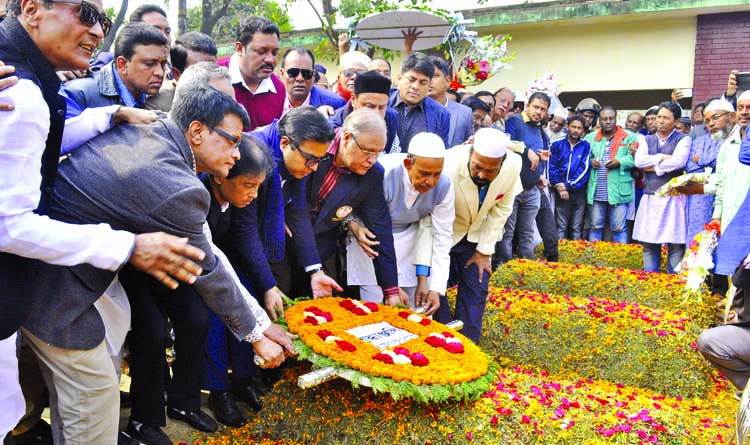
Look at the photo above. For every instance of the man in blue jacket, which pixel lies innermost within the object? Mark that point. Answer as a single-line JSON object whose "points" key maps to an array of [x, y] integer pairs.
{"points": [[569, 174], [298, 74], [416, 111]]}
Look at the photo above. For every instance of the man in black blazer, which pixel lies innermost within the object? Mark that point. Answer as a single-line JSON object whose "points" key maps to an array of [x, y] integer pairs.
{"points": [[351, 182], [143, 178]]}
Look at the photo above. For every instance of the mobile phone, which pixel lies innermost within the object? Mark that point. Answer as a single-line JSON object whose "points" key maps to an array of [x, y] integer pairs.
{"points": [[743, 81]]}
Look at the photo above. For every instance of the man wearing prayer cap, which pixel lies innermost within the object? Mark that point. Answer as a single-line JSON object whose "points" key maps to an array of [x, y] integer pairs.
{"points": [[371, 90], [556, 126], [486, 177], [420, 202]]}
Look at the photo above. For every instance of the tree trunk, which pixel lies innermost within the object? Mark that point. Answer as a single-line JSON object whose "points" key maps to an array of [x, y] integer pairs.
{"points": [[181, 17], [210, 17], [107, 42]]}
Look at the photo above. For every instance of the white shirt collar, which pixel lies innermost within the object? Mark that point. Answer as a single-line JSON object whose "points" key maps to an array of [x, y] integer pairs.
{"points": [[266, 85]]}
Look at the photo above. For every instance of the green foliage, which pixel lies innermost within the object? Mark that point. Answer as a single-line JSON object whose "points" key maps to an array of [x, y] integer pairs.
{"points": [[226, 28]]}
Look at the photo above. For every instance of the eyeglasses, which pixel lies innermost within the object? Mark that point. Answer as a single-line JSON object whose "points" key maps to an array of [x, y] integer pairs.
{"points": [[89, 15], [368, 153], [294, 72], [716, 117], [235, 140], [350, 73], [310, 160]]}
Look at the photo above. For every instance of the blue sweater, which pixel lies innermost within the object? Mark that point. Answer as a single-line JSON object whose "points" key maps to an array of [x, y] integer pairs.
{"points": [[535, 139], [570, 165]]}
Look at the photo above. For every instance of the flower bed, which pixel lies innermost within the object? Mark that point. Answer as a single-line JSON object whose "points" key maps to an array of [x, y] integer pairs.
{"points": [[523, 406], [596, 338], [655, 290], [601, 253]]}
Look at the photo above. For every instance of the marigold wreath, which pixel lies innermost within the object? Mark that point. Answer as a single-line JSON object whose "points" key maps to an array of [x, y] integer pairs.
{"points": [[397, 351]]}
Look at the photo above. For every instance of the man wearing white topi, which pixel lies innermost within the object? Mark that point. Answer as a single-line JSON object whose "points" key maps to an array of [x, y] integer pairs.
{"points": [[420, 201]]}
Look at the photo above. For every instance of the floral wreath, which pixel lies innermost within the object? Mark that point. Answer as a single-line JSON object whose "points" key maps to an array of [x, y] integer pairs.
{"points": [[437, 363]]}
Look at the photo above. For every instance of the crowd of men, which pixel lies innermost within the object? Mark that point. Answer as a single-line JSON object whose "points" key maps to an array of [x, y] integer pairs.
{"points": [[158, 187]]}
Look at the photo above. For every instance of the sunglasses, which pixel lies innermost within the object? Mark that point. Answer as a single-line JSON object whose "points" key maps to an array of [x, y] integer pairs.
{"points": [[350, 73], [235, 140], [294, 72], [89, 15], [310, 160]]}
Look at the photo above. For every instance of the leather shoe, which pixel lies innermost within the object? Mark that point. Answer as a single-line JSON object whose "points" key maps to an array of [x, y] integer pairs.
{"points": [[197, 419], [225, 409], [248, 394], [149, 435]]}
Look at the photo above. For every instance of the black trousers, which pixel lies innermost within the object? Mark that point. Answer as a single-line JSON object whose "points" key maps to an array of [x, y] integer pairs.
{"points": [[151, 303], [547, 226]]}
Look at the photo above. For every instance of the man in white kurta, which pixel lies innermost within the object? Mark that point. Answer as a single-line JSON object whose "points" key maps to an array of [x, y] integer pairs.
{"points": [[420, 202], [486, 176]]}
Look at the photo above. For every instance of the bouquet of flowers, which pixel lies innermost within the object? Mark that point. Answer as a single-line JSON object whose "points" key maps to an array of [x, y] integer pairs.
{"points": [[699, 260], [546, 83], [669, 187], [485, 58]]}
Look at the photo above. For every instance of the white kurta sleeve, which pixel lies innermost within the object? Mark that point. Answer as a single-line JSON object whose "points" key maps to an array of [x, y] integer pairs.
{"points": [[678, 159], [90, 123], [23, 133], [442, 241]]}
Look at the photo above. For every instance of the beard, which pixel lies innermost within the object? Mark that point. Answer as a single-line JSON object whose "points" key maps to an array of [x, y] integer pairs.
{"points": [[720, 135], [479, 182]]}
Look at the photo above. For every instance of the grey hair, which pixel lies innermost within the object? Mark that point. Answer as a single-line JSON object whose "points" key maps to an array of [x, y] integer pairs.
{"points": [[200, 74], [364, 120]]}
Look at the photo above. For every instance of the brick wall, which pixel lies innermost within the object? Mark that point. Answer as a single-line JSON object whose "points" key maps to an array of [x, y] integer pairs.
{"points": [[721, 45]]}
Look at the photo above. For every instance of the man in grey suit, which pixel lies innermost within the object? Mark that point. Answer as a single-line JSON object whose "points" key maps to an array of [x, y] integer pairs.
{"points": [[139, 179], [461, 127]]}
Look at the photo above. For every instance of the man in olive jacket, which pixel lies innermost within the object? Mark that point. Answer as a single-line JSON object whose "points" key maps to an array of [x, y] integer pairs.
{"points": [[610, 188]]}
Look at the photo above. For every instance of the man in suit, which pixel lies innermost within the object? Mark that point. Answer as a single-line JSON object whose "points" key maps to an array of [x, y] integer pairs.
{"points": [[298, 73], [486, 176], [371, 90], [137, 178], [37, 39], [416, 111], [351, 181], [137, 72], [461, 120]]}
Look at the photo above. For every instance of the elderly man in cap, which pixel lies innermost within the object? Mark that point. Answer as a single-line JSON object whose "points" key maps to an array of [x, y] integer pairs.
{"points": [[486, 176], [420, 202], [371, 90]]}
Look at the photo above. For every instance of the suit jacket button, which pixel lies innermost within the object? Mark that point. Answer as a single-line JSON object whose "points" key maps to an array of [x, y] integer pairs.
{"points": [[61, 113], [48, 190]]}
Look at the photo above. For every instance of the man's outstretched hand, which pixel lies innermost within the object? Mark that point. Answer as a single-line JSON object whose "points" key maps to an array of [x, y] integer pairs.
{"points": [[167, 258]]}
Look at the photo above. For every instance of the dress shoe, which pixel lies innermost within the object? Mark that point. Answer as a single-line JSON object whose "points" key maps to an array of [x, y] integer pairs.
{"points": [[225, 409], [146, 434], [197, 419], [124, 439], [249, 394], [39, 434]]}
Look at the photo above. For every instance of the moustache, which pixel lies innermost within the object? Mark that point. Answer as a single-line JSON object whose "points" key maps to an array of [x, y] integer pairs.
{"points": [[479, 181]]}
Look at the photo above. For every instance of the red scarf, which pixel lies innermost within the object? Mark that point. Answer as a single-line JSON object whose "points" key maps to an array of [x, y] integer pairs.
{"points": [[617, 139]]}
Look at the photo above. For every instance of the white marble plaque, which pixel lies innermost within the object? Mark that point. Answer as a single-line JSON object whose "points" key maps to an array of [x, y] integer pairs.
{"points": [[382, 335]]}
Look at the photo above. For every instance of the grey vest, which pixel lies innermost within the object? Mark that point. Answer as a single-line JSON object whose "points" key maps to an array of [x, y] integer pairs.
{"points": [[651, 180], [401, 216]]}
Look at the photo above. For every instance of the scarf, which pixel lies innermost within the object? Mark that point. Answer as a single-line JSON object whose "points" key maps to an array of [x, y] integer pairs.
{"points": [[619, 136]]}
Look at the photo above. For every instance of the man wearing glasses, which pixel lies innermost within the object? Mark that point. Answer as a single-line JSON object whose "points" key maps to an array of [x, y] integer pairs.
{"points": [[251, 67], [298, 73], [39, 38], [351, 182], [298, 144]]}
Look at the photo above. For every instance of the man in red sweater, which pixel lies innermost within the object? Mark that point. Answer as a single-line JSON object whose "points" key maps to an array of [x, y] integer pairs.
{"points": [[251, 68]]}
